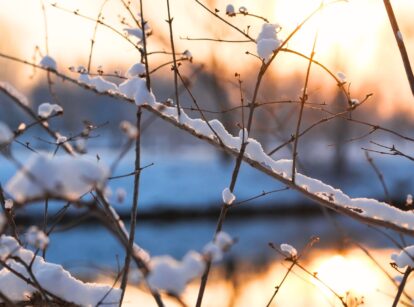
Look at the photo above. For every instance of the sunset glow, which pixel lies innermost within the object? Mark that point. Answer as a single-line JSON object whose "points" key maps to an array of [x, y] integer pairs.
{"points": [[347, 274]]}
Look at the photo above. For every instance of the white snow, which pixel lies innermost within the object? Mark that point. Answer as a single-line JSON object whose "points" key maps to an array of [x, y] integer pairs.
{"points": [[223, 240], [48, 62], [405, 257], [230, 10], [136, 70], [102, 85], [36, 237], [268, 31], [265, 47], [355, 102], [267, 41], [60, 138], [99, 83], [63, 176], [14, 92], [51, 277], [228, 196], [129, 129], [21, 127], [47, 109], [136, 88], [6, 135], [289, 250], [172, 276], [84, 78], [137, 32], [409, 200], [341, 76], [214, 250], [364, 207], [243, 10], [188, 55], [8, 204]]}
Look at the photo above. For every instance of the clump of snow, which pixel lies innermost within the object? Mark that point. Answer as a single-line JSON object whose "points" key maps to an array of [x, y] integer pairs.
{"points": [[409, 200], [243, 10], [136, 88], [265, 47], [8, 204], [267, 41], [400, 36], [137, 32], [61, 176], [36, 237], [102, 85], [188, 55], [355, 102], [48, 62], [268, 31], [214, 250], [84, 78], [99, 83], [172, 276], [60, 139], [50, 276], [169, 102], [47, 109], [136, 70], [405, 257], [230, 10], [228, 196], [21, 127], [6, 135], [341, 76], [223, 240], [289, 250], [129, 129]]}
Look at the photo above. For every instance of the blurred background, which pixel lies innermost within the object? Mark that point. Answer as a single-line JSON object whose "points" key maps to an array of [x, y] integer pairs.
{"points": [[180, 194]]}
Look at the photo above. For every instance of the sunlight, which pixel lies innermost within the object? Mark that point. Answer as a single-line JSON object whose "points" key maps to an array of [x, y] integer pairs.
{"points": [[347, 274], [345, 29]]}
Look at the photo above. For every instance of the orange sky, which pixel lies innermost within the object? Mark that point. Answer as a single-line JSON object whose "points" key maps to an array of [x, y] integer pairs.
{"points": [[354, 37]]}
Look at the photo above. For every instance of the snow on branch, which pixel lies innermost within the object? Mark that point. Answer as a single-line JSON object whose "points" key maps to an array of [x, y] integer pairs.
{"points": [[367, 210], [52, 278], [404, 257], [67, 177]]}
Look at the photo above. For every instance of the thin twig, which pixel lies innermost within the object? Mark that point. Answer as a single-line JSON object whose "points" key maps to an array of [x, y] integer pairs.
{"points": [[303, 99], [400, 43]]}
